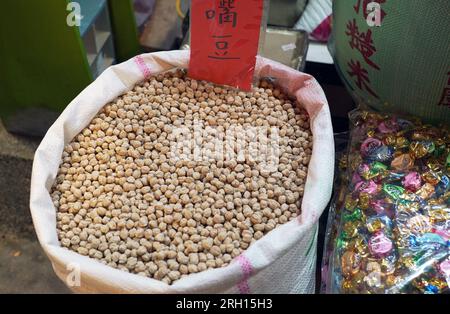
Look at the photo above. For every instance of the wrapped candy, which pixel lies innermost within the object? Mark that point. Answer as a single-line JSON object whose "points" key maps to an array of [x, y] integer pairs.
{"points": [[390, 231]]}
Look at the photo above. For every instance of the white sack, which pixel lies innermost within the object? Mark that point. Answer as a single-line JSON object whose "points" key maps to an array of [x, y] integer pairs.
{"points": [[283, 261]]}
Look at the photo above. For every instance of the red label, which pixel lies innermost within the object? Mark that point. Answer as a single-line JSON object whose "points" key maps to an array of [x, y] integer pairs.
{"points": [[224, 41]]}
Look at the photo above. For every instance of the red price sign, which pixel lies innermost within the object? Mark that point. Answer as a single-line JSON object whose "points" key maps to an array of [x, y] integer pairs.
{"points": [[224, 41]]}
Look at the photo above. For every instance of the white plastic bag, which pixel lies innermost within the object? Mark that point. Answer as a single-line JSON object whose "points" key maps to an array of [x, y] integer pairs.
{"points": [[283, 261], [316, 20]]}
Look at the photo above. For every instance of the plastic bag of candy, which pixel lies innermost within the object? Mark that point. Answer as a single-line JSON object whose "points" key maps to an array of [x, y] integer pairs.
{"points": [[339, 187], [392, 228]]}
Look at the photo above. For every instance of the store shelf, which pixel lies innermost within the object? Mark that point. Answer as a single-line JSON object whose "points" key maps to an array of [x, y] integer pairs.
{"points": [[100, 39], [38, 47], [90, 9], [104, 59], [97, 35], [91, 58]]}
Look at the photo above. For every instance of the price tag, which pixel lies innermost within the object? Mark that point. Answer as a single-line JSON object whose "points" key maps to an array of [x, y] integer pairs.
{"points": [[224, 41]]}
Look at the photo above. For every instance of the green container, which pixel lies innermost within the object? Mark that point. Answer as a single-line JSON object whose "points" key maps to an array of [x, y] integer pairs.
{"points": [[403, 65], [44, 62]]}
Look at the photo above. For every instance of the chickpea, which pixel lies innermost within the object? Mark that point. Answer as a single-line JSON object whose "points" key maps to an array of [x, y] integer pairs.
{"points": [[124, 200]]}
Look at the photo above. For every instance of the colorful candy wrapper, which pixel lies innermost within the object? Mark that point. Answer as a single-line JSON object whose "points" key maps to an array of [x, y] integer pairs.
{"points": [[412, 181], [390, 225]]}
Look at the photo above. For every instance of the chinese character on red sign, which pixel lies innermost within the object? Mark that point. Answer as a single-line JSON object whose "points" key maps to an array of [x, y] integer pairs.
{"points": [[445, 99], [362, 77], [362, 42], [226, 15], [224, 41]]}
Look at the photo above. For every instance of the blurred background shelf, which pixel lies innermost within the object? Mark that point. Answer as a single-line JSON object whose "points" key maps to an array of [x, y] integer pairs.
{"points": [[46, 64], [318, 52], [96, 33], [90, 11]]}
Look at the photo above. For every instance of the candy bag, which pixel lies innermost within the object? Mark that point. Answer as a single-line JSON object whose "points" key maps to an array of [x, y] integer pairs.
{"points": [[392, 225], [339, 187]]}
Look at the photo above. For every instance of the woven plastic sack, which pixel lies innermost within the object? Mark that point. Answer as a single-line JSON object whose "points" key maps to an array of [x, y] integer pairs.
{"points": [[283, 261], [401, 66]]}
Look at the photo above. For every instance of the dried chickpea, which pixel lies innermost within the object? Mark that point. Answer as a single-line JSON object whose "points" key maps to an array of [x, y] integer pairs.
{"points": [[123, 200]]}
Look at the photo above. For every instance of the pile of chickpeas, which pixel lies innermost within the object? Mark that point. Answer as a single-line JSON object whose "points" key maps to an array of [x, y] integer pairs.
{"points": [[124, 200]]}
